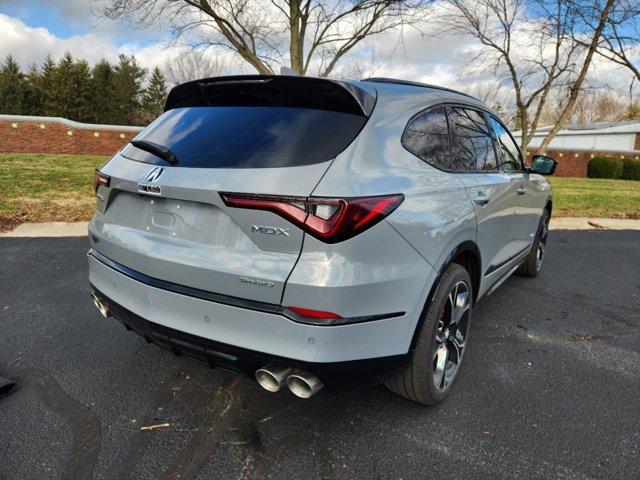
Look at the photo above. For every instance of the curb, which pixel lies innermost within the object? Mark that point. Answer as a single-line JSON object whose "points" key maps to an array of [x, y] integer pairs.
{"points": [[79, 229], [584, 223], [48, 229]]}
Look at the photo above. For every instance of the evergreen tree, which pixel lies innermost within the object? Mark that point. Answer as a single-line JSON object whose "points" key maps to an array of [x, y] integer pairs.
{"points": [[34, 96], [13, 87], [103, 93], [127, 90], [48, 100], [154, 96], [70, 89]]}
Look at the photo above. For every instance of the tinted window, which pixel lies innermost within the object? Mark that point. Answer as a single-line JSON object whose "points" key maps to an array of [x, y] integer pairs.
{"points": [[249, 137], [427, 136], [511, 158], [471, 140]]}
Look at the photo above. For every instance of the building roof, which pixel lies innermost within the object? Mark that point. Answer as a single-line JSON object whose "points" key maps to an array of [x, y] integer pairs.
{"points": [[622, 126]]}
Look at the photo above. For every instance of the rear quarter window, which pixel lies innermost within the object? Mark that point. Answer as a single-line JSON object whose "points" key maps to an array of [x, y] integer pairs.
{"points": [[427, 137], [249, 136]]}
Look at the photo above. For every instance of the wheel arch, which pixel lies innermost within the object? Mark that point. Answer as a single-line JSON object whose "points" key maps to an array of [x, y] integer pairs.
{"points": [[466, 254]]}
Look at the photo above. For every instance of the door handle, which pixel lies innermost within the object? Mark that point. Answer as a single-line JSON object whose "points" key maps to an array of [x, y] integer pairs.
{"points": [[481, 199], [521, 190]]}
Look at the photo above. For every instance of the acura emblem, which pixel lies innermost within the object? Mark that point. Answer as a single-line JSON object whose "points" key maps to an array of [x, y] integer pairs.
{"points": [[155, 174]]}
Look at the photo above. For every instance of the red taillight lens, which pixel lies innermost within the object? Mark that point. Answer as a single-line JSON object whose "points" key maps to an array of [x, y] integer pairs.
{"points": [[331, 220], [100, 179]]}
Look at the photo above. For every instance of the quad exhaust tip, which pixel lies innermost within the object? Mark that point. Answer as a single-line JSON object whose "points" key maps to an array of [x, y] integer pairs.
{"points": [[272, 377], [302, 384], [100, 306]]}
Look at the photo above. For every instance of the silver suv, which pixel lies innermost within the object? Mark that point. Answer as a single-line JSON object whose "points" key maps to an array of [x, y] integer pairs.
{"points": [[310, 232]]}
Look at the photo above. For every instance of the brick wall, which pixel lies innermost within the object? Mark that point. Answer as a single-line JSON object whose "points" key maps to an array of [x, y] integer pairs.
{"points": [[573, 163], [50, 136], [57, 137]]}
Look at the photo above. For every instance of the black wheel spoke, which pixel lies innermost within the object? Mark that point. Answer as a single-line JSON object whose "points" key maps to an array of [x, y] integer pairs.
{"points": [[455, 349]]}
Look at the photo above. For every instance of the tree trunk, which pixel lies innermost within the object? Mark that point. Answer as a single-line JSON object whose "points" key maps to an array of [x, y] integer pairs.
{"points": [[296, 40], [577, 85]]}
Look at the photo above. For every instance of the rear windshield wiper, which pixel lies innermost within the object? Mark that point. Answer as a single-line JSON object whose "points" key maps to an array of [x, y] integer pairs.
{"points": [[157, 149]]}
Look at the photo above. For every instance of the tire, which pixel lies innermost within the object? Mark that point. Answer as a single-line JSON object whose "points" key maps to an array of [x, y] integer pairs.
{"points": [[424, 381], [532, 266]]}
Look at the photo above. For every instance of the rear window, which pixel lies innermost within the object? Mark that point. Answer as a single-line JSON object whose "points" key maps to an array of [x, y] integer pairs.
{"points": [[248, 136]]}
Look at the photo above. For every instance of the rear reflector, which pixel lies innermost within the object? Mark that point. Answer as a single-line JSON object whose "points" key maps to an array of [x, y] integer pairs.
{"points": [[330, 220], [100, 179], [319, 314]]}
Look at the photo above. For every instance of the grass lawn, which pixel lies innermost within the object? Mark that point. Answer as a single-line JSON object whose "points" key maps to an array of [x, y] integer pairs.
{"points": [[41, 188], [594, 197]]}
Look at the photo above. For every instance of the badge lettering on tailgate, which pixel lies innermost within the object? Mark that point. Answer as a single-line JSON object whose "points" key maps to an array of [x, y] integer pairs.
{"points": [[261, 283], [270, 230]]}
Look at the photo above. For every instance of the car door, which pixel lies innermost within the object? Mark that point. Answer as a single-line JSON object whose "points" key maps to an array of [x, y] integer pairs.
{"points": [[492, 191], [530, 198]]}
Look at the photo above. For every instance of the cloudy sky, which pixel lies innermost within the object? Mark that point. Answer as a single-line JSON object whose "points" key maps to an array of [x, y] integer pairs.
{"points": [[32, 29]]}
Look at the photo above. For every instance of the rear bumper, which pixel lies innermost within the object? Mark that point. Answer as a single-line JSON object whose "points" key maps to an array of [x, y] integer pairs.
{"points": [[245, 339], [337, 376]]}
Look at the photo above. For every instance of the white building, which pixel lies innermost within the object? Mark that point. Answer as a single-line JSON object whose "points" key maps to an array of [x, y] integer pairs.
{"points": [[601, 137]]}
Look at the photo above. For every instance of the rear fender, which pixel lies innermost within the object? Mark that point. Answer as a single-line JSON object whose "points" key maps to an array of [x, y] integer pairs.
{"points": [[464, 247]]}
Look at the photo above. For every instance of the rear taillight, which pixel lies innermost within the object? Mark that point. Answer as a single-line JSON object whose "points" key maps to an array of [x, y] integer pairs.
{"points": [[331, 220], [100, 179]]}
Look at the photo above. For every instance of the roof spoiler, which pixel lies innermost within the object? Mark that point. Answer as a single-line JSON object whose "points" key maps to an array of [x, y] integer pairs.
{"points": [[273, 91]]}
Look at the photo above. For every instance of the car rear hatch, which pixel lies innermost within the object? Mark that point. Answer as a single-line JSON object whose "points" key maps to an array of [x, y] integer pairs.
{"points": [[160, 211]]}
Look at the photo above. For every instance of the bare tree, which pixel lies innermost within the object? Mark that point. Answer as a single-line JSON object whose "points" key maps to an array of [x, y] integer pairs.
{"points": [[359, 67], [594, 15], [193, 64], [529, 53], [597, 105], [621, 35], [265, 33]]}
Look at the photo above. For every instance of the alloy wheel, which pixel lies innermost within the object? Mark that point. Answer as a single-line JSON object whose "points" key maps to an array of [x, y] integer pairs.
{"points": [[542, 244], [451, 335]]}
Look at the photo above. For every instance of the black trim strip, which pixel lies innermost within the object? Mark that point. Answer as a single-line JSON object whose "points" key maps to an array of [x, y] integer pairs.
{"points": [[184, 290], [230, 300], [493, 268]]}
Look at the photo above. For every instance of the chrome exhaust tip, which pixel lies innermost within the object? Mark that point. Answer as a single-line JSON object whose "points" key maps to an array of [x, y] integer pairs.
{"points": [[272, 377], [304, 384], [100, 306]]}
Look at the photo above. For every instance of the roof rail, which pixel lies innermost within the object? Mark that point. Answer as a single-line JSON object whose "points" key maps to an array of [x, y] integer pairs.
{"points": [[415, 84]]}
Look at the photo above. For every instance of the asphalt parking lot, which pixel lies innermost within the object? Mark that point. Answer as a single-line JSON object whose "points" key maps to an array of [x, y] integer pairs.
{"points": [[550, 388]]}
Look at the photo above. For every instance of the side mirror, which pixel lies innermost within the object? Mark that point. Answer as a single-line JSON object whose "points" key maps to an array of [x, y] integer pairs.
{"points": [[543, 165]]}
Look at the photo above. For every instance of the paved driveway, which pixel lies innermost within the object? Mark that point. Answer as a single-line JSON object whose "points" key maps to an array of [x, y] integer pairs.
{"points": [[550, 388]]}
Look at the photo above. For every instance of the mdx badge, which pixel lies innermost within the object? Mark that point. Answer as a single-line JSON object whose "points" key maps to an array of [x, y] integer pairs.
{"points": [[150, 188], [270, 230]]}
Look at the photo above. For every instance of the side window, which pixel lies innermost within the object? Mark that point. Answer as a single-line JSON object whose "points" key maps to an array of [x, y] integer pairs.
{"points": [[471, 141], [427, 137], [511, 157]]}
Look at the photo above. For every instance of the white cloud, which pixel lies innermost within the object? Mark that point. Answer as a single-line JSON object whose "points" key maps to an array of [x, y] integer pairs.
{"points": [[32, 44]]}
